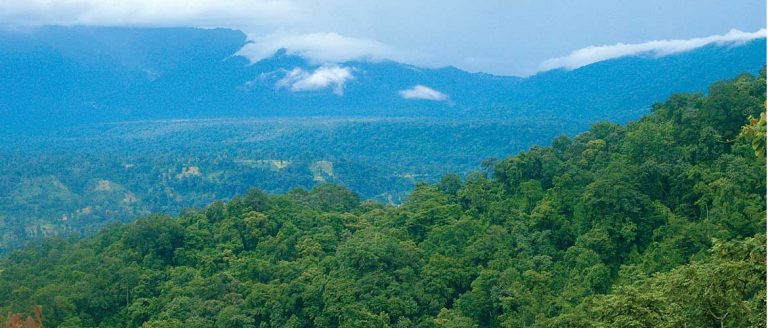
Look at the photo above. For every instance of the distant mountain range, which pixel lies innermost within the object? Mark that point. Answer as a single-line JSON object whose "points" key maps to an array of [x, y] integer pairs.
{"points": [[59, 76]]}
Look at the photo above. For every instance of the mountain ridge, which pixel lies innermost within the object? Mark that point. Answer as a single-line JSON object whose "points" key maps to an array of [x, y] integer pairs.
{"points": [[148, 73]]}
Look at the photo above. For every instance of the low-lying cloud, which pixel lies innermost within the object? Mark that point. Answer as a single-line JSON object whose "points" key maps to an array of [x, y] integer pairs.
{"points": [[327, 76], [658, 48], [424, 93], [320, 47]]}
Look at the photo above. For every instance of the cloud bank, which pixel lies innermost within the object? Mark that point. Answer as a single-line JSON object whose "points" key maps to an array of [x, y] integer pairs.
{"points": [[659, 48], [424, 93], [498, 37], [319, 47], [328, 76]]}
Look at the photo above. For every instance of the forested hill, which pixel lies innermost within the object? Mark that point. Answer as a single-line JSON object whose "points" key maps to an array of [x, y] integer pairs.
{"points": [[658, 223]]}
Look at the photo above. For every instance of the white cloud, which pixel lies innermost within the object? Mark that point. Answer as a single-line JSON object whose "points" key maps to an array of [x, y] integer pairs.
{"points": [[323, 77], [422, 92], [659, 48], [319, 47], [202, 13]]}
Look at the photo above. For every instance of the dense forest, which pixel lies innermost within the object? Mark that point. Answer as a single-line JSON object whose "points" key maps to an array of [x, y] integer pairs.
{"points": [[76, 181], [659, 223]]}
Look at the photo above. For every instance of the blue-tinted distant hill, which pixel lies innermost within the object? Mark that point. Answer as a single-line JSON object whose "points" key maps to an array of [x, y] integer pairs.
{"points": [[58, 76], [621, 89]]}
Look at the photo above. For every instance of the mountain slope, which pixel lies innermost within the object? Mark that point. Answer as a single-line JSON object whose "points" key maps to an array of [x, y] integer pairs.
{"points": [[621, 89], [654, 224]]}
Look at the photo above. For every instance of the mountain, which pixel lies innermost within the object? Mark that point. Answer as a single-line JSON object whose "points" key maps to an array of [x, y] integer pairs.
{"points": [[656, 223], [55, 76]]}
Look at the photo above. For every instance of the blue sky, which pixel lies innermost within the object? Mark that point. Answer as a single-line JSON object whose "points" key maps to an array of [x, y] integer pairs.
{"points": [[513, 37]]}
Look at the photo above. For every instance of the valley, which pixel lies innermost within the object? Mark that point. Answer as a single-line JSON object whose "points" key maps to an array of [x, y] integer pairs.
{"points": [[87, 176]]}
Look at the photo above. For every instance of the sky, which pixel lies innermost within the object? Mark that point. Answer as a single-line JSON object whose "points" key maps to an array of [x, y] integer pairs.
{"points": [[505, 37]]}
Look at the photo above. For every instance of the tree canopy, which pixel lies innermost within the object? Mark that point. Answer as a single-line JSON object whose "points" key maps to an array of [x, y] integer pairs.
{"points": [[659, 223]]}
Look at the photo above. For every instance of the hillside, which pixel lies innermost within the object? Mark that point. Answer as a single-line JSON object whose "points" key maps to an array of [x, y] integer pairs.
{"points": [[658, 223]]}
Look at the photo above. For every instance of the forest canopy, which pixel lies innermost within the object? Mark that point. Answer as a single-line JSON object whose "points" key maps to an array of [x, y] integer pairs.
{"points": [[658, 223]]}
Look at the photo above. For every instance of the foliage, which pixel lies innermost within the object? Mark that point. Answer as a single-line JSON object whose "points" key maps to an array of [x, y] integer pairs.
{"points": [[755, 132], [658, 223]]}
